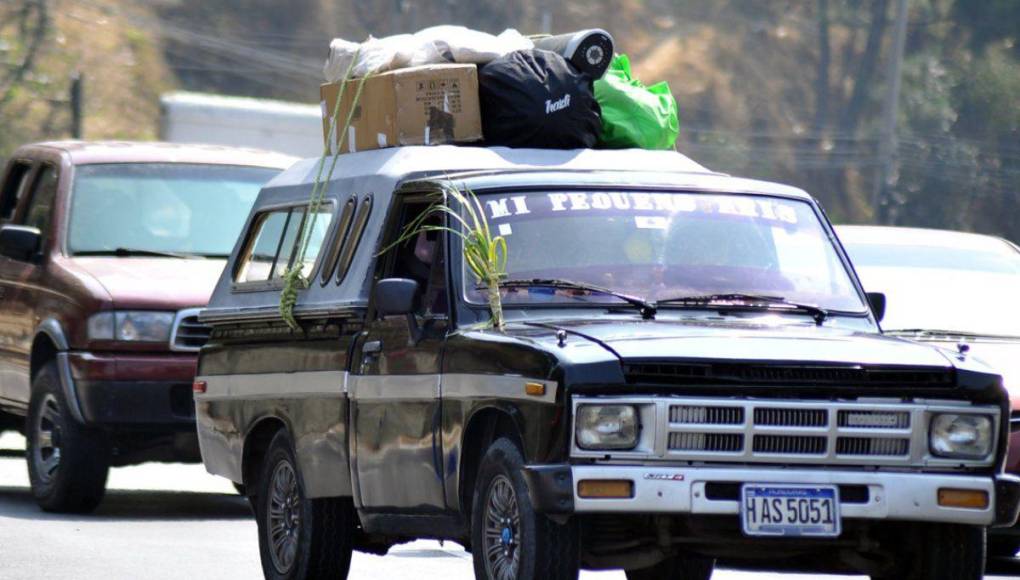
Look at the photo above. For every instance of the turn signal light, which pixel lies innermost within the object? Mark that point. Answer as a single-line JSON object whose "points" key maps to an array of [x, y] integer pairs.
{"points": [[963, 498], [605, 488], [534, 389], [199, 387]]}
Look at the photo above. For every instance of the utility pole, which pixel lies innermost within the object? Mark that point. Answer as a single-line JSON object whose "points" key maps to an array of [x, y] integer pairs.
{"points": [[887, 145], [77, 104]]}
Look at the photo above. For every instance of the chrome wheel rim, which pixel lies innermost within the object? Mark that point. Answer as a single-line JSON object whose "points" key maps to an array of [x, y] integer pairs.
{"points": [[46, 450], [501, 540], [284, 517]]}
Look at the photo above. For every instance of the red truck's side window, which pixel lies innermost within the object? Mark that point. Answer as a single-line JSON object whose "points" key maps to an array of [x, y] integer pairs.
{"points": [[39, 212], [12, 188]]}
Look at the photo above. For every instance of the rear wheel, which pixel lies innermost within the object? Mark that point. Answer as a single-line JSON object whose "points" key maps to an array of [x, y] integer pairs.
{"points": [[940, 552], [676, 568], [67, 462], [299, 538], [509, 539]]}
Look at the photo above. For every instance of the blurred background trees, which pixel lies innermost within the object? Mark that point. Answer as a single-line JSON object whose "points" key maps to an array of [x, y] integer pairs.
{"points": [[788, 90]]}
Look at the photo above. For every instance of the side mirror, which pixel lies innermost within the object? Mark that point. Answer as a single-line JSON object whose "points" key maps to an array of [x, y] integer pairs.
{"points": [[396, 296], [20, 242], [877, 301]]}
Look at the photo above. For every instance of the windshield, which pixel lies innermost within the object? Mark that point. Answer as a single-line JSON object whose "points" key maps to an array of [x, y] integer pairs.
{"points": [[662, 246], [943, 287], [161, 208]]}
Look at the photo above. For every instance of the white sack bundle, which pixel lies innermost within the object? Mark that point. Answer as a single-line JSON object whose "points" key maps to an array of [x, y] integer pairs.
{"points": [[435, 45]]}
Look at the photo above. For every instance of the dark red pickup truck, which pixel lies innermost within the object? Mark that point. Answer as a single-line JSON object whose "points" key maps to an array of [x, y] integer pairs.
{"points": [[107, 250]]}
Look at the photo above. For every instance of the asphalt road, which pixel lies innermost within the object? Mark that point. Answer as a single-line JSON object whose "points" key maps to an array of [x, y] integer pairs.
{"points": [[175, 521]]}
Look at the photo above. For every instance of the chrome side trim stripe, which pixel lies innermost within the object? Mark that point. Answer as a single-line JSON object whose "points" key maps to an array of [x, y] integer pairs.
{"points": [[274, 385], [395, 387], [456, 386], [477, 386]]}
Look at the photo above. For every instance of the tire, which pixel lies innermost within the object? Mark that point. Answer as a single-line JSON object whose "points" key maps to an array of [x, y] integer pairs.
{"points": [[314, 535], [526, 543], [676, 568], [67, 462], [941, 552], [1003, 546]]}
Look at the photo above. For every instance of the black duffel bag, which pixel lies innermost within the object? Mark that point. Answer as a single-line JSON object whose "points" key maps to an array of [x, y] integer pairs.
{"points": [[535, 98]]}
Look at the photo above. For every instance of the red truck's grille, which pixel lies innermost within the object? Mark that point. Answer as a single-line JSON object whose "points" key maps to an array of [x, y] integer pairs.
{"points": [[189, 334]]}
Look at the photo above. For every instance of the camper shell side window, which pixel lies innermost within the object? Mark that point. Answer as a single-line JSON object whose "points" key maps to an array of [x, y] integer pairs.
{"points": [[273, 243]]}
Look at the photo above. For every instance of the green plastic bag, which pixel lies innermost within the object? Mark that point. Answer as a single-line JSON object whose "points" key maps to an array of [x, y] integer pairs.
{"points": [[634, 115]]}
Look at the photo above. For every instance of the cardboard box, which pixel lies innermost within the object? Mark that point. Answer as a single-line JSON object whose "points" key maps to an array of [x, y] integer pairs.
{"points": [[425, 105]]}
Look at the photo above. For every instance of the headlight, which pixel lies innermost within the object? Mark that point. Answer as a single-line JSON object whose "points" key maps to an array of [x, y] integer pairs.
{"points": [[131, 326], [960, 436], [606, 427]]}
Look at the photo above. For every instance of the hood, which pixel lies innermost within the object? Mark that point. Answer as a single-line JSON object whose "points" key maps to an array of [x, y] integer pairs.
{"points": [[704, 340], [1002, 356], [153, 283]]}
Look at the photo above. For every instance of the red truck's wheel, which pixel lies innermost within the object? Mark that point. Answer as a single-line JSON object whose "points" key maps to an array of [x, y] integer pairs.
{"points": [[67, 462], [509, 539], [299, 538]]}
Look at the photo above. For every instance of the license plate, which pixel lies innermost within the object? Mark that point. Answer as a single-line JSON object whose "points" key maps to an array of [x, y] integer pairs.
{"points": [[790, 510]]}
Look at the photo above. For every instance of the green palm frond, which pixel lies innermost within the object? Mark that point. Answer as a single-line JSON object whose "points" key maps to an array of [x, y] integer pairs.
{"points": [[484, 254]]}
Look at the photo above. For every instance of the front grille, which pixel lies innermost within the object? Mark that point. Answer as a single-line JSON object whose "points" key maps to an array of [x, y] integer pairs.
{"points": [[791, 417], [746, 430], [716, 442], [189, 334], [789, 445], [701, 415], [865, 419], [672, 373], [872, 446]]}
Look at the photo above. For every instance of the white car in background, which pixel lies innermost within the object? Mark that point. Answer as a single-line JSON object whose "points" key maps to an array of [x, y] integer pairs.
{"points": [[952, 288]]}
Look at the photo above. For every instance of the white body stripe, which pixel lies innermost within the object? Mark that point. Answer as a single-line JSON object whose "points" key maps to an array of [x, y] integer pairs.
{"points": [[274, 385]]}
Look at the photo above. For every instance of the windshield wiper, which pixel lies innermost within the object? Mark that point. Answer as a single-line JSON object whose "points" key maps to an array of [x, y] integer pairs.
{"points": [[647, 309], [129, 252], [934, 332], [737, 300]]}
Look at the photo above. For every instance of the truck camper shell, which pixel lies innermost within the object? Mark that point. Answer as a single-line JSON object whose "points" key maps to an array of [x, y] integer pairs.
{"points": [[371, 178]]}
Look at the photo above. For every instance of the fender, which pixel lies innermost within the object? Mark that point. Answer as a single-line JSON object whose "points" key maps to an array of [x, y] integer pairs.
{"points": [[55, 332]]}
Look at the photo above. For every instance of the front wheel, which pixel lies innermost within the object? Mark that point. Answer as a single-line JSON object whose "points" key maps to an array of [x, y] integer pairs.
{"points": [[1003, 546], [299, 538], [509, 539], [67, 462], [676, 568], [941, 552]]}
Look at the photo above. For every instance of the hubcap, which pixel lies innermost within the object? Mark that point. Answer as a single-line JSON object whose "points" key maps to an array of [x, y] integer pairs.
{"points": [[284, 517], [46, 451], [501, 540]]}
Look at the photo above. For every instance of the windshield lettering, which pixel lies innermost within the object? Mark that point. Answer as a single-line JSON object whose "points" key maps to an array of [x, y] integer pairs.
{"points": [[503, 207]]}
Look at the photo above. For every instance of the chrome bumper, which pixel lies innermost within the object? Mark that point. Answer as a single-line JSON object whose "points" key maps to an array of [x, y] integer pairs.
{"points": [[891, 496]]}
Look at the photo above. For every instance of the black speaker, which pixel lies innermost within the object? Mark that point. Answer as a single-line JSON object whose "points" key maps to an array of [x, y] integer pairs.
{"points": [[590, 51]]}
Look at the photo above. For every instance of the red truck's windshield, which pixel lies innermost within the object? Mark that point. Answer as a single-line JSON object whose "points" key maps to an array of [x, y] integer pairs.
{"points": [[161, 208]]}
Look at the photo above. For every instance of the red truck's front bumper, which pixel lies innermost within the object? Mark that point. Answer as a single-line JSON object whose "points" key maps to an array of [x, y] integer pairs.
{"points": [[149, 391]]}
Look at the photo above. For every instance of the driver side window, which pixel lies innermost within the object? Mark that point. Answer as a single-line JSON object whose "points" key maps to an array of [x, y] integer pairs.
{"points": [[421, 258]]}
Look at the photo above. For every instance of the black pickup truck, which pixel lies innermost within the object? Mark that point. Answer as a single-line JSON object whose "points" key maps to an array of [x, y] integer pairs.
{"points": [[689, 371]]}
